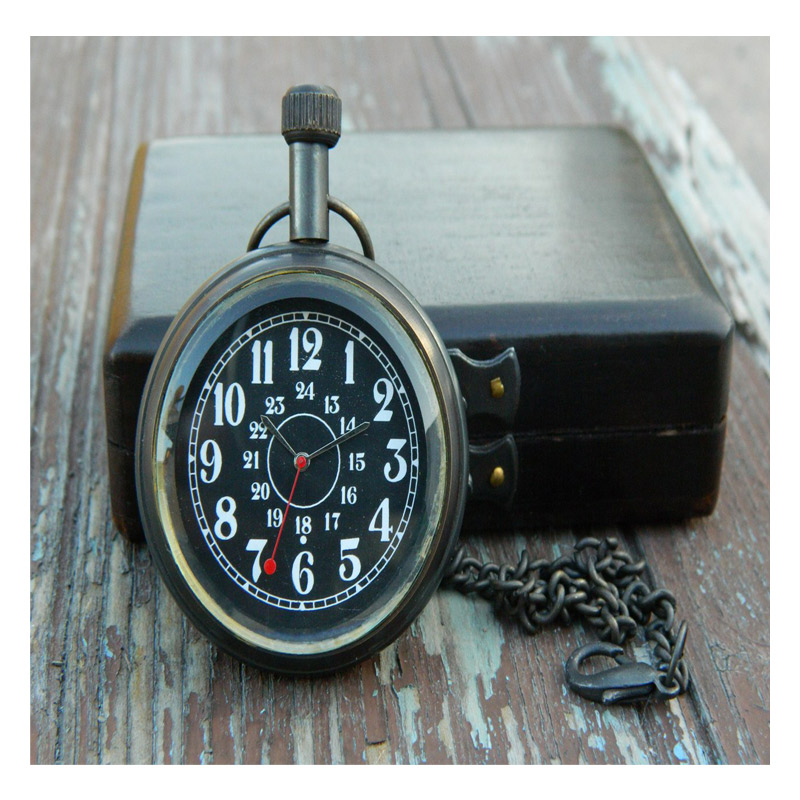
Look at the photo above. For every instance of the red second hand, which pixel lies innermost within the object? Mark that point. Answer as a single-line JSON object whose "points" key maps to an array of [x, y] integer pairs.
{"points": [[269, 565]]}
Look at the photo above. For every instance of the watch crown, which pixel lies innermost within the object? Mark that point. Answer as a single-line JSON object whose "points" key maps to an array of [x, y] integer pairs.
{"points": [[311, 114]]}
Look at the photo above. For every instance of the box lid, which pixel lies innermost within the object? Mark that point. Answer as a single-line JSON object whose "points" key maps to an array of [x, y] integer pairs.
{"points": [[557, 241]]}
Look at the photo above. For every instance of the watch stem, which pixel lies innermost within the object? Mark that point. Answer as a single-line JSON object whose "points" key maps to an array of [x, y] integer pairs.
{"points": [[311, 123]]}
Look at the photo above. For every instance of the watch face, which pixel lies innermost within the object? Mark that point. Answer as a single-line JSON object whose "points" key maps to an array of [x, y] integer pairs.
{"points": [[304, 468], [301, 470]]}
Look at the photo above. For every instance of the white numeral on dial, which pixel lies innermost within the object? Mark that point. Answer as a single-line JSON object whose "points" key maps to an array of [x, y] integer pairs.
{"points": [[258, 430], [353, 560], [302, 525], [402, 467], [303, 577], [256, 546], [331, 403], [212, 459], [274, 405], [260, 490], [225, 526], [250, 459], [383, 392], [274, 518], [380, 521], [348, 362], [304, 391], [332, 520], [228, 404], [312, 343], [349, 495], [260, 376]]}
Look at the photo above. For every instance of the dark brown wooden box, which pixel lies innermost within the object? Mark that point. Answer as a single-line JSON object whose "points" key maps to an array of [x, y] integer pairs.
{"points": [[557, 241]]}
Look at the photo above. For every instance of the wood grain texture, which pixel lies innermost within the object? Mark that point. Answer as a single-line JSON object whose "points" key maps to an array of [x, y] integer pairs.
{"points": [[117, 673]]}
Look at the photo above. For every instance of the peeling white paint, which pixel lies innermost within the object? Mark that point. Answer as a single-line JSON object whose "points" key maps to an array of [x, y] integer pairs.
{"points": [[387, 659], [688, 748], [516, 752], [475, 642], [476, 638], [335, 731], [445, 731], [712, 194], [596, 742], [302, 737], [408, 702], [575, 719], [627, 744]]}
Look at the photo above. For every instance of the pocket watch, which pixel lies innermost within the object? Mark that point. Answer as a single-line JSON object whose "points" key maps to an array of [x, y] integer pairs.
{"points": [[302, 460], [302, 455]]}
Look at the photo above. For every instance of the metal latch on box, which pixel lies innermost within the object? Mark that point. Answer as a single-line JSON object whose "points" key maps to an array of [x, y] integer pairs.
{"points": [[491, 391]]}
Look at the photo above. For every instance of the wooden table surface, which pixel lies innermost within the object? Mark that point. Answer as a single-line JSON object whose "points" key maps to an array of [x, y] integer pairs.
{"points": [[117, 673]]}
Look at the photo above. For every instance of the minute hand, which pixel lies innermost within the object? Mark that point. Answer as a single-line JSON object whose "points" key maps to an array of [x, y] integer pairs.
{"points": [[343, 438]]}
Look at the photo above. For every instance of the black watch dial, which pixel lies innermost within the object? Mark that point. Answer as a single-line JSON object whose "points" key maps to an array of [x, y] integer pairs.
{"points": [[300, 464]]}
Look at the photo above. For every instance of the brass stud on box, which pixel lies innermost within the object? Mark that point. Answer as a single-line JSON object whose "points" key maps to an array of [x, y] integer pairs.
{"points": [[497, 389], [498, 477]]}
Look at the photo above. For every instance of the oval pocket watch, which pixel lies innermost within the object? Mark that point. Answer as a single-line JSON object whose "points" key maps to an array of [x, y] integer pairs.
{"points": [[302, 456]]}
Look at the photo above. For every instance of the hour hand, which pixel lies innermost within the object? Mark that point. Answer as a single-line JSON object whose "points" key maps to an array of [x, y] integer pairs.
{"points": [[343, 438], [278, 435]]}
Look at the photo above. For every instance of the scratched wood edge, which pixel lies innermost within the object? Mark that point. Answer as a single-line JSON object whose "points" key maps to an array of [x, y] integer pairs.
{"points": [[67, 482], [723, 212], [169, 695]]}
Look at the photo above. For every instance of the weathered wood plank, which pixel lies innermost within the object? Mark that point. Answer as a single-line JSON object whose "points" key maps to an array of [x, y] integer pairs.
{"points": [[118, 675], [722, 566], [66, 387]]}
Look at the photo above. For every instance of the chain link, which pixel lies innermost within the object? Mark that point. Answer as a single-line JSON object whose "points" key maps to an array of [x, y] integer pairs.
{"points": [[598, 583]]}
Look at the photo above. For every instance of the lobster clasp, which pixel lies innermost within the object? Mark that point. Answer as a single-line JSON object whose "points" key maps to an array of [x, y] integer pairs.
{"points": [[626, 683]]}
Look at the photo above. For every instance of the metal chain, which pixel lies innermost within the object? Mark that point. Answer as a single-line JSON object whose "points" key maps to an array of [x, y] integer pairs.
{"points": [[601, 584]]}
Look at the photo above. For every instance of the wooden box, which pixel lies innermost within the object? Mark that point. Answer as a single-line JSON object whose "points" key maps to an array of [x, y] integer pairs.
{"points": [[558, 242]]}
